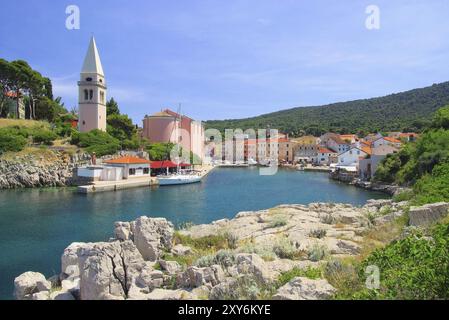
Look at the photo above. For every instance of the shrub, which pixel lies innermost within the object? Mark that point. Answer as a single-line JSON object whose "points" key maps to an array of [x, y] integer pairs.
{"points": [[232, 240], [284, 249], [404, 278], [224, 258], [403, 196], [205, 261], [317, 252], [44, 136], [215, 242], [318, 233], [96, 141], [10, 141], [433, 187], [328, 219], [343, 277], [277, 222], [309, 272]]}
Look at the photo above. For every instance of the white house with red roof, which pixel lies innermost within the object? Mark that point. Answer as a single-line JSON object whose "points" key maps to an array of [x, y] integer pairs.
{"points": [[352, 157], [127, 167], [386, 141], [326, 156]]}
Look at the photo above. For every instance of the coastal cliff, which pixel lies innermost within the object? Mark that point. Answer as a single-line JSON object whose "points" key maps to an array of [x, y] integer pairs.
{"points": [[44, 169], [288, 252]]}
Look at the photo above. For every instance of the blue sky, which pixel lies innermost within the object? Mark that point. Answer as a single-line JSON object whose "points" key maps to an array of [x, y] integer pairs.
{"points": [[235, 58]]}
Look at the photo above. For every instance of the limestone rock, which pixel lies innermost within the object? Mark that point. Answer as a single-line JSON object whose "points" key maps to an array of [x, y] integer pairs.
{"points": [[164, 294], [171, 267], [225, 290], [29, 283], [428, 214], [150, 278], [152, 235], [73, 258], [301, 288], [123, 231], [254, 264], [109, 269], [61, 295], [195, 277]]}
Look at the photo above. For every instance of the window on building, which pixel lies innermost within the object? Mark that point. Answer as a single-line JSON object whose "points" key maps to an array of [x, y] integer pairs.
{"points": [[86, 95], [101, 96], [91, 94], [89, 79], [132, 171], [84, 122]]}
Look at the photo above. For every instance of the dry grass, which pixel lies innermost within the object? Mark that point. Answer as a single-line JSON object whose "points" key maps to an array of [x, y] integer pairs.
{"points": [[380, 236], [22, 123]]}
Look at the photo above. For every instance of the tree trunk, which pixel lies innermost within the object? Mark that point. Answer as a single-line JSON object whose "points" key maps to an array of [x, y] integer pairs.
{"points": [[17, 104], [32, 114]]}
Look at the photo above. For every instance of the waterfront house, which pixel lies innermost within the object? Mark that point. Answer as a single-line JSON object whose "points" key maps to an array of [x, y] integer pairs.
{"points": [[352, 157], [131, 167], [334, 142], [169, 126], [386, 141], [127, 167], [369, 165], [326, 156], [305, 149]]}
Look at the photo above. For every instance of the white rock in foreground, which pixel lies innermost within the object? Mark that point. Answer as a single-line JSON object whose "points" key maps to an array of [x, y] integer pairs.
{"points": [[29, 283], [301, 288]]}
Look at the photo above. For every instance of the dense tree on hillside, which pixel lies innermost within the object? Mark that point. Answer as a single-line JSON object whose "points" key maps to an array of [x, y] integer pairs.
{"points": [[422, 164], [112, 107], [407, 111], [120, 126], [18, 77]]}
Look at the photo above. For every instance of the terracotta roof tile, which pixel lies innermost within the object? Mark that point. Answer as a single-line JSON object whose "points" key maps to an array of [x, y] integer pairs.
{"points": [[128, 160]]}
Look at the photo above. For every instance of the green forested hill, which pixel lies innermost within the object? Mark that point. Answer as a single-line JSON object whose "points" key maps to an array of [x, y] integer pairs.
{"points": [[405, 111]]}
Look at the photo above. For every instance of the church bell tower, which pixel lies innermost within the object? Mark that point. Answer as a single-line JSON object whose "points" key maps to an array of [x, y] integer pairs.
{"points": [[92, 92]]}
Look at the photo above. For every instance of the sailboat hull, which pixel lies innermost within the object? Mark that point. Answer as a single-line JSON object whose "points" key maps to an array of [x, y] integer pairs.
{"points": [[176, 180]]}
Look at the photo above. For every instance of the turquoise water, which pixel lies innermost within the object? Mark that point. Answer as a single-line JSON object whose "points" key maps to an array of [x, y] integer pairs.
{"points": [[37, 224]]}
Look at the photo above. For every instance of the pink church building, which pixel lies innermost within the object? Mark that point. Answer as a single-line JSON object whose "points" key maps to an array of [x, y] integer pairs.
{"points": [[169, 126]]}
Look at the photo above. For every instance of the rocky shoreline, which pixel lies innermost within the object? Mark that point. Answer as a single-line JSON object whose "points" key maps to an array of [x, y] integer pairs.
{"points": [[241, 258], [389, 189], [29, 171]]}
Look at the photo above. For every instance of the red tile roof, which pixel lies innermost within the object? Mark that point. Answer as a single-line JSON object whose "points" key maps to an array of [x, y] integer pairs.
{"points": [[367, 150], [392, 140], [325, 150], [11, 94], [128, 160]]}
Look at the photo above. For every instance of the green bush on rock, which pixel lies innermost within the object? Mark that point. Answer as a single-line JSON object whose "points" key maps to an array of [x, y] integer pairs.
{"points": [[96, 141], [10, 141]]}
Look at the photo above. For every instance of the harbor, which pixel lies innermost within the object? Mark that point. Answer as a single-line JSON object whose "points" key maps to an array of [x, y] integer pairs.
{"points": [[37, 224], [136, 182]]}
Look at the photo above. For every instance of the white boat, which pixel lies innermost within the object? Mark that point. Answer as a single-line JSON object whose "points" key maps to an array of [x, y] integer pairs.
{"points": [[178, 179], [252, 162]]}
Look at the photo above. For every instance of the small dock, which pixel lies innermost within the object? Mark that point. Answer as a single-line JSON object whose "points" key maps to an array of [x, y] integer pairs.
{"points": [[103, 186]]}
